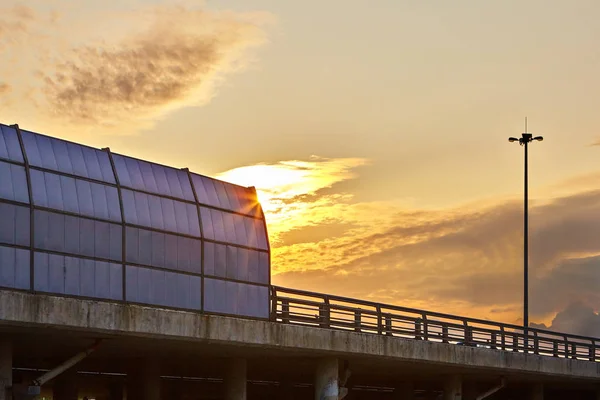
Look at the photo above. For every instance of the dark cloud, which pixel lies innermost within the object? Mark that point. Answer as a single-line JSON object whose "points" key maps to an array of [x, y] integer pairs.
{"points": [[470, 258], [577, 318], [172, 62]]}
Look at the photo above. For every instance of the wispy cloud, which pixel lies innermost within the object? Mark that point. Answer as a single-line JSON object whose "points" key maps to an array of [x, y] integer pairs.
{"points": [[160, 59], [467, 260]]}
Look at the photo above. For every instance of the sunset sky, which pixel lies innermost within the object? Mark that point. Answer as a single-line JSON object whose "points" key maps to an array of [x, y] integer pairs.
{"points": [[376, 132]]}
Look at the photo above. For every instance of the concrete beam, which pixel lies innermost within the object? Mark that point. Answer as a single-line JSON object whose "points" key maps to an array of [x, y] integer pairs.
{"points": [[39, 311], [236, 380], [5, 368]]}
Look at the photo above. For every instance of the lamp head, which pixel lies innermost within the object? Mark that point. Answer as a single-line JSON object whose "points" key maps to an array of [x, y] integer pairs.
{"points": [[538, 138], [513, 139]]}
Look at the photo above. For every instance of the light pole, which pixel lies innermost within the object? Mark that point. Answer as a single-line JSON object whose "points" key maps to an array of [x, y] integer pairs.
{"points": [[524, 141]]}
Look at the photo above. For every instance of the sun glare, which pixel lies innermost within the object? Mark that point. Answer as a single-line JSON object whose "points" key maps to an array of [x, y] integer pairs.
{"points": [[283, 188]]}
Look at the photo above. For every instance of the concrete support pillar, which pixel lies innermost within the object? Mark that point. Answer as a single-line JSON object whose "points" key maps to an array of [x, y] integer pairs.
{"points": [[327, 379], [5, 368], [404, 391], [537, 392], [453, 388], [65, 386], [235, 379], [143, 381]]}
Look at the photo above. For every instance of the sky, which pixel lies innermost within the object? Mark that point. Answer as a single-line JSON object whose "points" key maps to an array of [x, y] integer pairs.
{"points": [[375, 132]]}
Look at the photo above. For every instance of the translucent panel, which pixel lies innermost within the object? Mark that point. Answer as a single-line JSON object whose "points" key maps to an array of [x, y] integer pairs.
{"points": [[75, 195], [236, 263], [225, 195], [264, 268], [14, 224], [14, 268], [78, 236], [10, 148], [160, 213], [235, 298], [248, 201], [13, 183], [163, 250], [154, 178], [70, 158], [261, 234], [77, 277], [205, 190], [163, 288], [234, 228]]}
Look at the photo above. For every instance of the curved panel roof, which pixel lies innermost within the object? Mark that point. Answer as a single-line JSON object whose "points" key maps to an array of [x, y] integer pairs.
{"points": [[81, 221]]}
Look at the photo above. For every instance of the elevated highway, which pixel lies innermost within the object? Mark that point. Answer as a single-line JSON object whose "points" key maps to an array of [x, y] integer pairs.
{"points": [[308, 340]]}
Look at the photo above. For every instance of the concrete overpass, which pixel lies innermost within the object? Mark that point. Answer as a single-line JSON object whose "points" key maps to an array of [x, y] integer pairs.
{"points": [[236, 358], [170, 270]]}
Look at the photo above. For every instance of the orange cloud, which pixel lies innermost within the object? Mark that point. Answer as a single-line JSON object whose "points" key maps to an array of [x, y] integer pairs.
{"points": [[466, 260]]}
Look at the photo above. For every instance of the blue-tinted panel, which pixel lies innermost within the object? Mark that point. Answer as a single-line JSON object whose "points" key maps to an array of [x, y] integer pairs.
{"points": [[13, 183], [154, 178], [70, 158], [77, 277], [233, 228], [234, 298], [261, 234], [160, 213], [225, 195], [14, 268], [236, 263], [10, 149], [78, 236], [162, 250], [205, 190], [163, 288], [14, 224], [75, 195]]}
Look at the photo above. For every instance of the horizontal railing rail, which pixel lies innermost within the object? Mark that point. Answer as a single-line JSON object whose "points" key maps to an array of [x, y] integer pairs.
{"points": [[292, 306]]}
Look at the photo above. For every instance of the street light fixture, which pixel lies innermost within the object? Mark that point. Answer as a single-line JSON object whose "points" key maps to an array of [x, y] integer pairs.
{"points": [[524, 141]]}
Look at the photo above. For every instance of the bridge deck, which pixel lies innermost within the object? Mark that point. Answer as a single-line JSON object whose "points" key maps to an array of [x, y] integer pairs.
{"points": [[47, 325]]}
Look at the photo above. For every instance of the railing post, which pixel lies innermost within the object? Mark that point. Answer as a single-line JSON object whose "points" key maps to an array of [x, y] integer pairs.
{"points": [[285, 311], [425, 327], [324, 314], [445, 336], [573, 350], [515, 339], [566, 340], [494, 341], [388, 325], [379, 321], [418, 335], [357, 321], [536, 343], [592, 351], [273, 293], [555, 349], [502, 338], [467, 334]]}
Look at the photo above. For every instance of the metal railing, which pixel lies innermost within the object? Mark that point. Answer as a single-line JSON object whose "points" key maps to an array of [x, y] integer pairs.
{"points": [[290, 306]]}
